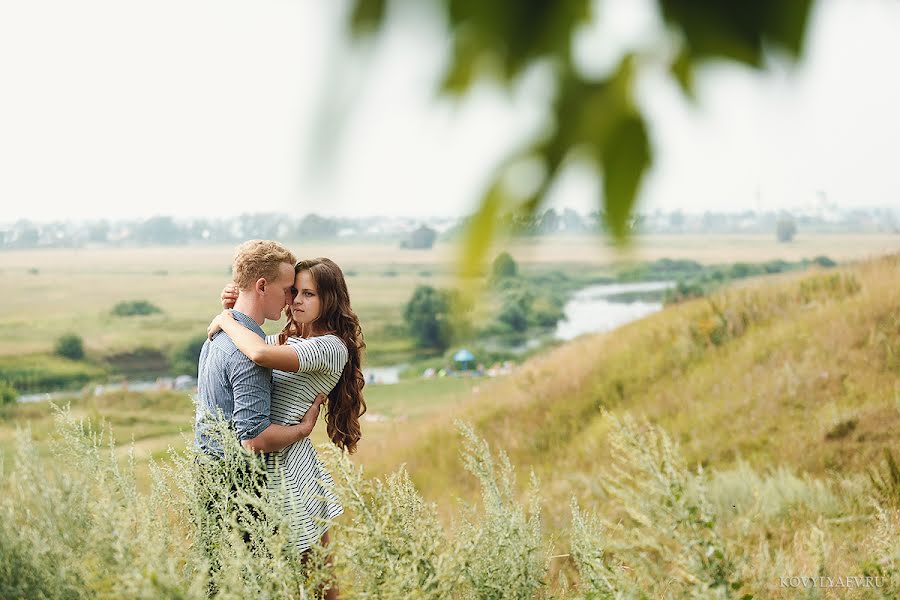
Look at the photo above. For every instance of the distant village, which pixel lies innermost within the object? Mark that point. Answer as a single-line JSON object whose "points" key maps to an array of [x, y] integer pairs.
{"points": [[422, 233]]}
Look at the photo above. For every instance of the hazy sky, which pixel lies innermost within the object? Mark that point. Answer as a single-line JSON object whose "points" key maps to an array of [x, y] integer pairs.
{"points": [[119, 108]]}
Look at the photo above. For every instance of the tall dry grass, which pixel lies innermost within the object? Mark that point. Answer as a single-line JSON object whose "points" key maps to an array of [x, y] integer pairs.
{"points": [[75, 526]]}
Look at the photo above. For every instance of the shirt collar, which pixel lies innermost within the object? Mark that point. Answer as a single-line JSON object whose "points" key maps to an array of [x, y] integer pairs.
{"points": [[248, 323]]}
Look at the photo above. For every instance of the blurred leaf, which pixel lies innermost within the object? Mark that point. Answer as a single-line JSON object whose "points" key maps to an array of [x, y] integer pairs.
{"points": [[482, 230], [625, 157], [368, 16], [682, 69], [500, 39], [737, 29], [504, 37]]}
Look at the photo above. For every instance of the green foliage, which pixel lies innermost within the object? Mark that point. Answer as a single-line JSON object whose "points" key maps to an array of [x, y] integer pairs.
{"points": [[504, 267], [669, 535], [8, 393], [135, 308], [695, 280], [514, 313], [593, 117], [70, 346], [428, 315], [185, 356], [39, 373]]}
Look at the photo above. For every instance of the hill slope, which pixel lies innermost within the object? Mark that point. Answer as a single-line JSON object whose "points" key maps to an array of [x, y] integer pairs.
{"points": [[800, 371]]}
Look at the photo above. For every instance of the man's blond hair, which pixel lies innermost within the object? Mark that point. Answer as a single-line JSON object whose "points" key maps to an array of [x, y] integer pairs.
{"points": [[258, 259]]}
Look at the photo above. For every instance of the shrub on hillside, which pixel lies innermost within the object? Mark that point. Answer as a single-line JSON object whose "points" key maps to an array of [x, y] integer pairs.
{"points": [[133, 308], [70, 346], [886, 480]]}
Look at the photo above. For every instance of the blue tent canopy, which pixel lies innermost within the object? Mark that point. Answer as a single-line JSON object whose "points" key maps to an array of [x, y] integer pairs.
{"points": [[463, 356]]}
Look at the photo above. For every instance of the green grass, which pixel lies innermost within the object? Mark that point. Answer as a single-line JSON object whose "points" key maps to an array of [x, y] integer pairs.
{"points": [[47, 372]]}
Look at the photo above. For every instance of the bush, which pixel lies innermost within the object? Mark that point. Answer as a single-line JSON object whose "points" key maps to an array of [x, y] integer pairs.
{"points": [[8, 393], [545, 312], [70, 346], [185, 356], [504, 267], [515, 310], [135, 308]]}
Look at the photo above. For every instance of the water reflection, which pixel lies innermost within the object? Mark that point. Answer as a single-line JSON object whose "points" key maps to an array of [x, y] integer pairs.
{"points": [[599, 308]]}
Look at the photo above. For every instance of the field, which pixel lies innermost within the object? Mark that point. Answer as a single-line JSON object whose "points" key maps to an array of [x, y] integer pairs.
{"points": [[50, 292], [712, 449]]}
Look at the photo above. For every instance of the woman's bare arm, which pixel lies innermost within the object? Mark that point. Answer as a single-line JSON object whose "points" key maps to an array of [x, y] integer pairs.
{"points": [[283, 358]]}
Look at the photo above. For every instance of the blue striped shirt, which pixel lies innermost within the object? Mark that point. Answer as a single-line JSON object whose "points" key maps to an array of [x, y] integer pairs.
{"points": [[230, 383]]}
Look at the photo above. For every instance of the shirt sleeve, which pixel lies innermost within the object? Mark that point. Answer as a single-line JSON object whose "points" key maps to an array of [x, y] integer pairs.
{"points": [[320, 354], [252, 388]]}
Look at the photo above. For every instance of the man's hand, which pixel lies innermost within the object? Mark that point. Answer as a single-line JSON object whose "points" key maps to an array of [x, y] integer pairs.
{"points": [[309, 419], [277, 437], [229, 295]]}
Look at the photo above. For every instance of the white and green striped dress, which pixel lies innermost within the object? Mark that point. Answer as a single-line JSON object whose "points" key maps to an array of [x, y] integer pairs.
{"points": [[308, 501]]}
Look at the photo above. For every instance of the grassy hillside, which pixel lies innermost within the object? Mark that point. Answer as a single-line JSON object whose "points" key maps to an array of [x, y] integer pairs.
{"points": [[802, 371]]}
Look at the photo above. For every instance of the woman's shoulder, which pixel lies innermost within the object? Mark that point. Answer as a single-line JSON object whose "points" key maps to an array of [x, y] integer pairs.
{"points": [[329, 341]]}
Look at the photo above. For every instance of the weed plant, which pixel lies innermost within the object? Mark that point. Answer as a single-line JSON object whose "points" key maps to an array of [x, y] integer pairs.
{"points": [[75, 525]]}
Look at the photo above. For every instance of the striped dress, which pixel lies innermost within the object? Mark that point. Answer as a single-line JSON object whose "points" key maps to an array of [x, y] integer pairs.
{"points": [[296, 470]]}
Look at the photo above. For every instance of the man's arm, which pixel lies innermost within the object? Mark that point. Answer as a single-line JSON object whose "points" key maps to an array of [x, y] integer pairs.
{"points": [[252, 388], [275, 436]]}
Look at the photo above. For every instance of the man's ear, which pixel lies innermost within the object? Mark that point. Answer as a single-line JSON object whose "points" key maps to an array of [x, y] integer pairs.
{"points": [[260, 285]]}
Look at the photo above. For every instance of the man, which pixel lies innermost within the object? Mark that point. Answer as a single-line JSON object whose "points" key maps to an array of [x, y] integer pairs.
{"points": [[233, 389], [230, 383]]}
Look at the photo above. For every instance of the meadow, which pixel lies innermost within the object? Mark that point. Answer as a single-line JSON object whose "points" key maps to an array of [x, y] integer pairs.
{"points": [[48, 293], [719, 448]]}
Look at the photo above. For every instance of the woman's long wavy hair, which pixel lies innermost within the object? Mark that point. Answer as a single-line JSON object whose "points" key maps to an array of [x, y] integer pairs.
{"points": [[345, 402]]}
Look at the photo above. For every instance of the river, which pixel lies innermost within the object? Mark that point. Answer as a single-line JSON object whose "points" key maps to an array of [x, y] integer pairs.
{"points": [[592, 309]]}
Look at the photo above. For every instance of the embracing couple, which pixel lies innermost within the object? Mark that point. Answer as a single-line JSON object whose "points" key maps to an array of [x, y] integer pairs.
{"points": [[269, 389]]}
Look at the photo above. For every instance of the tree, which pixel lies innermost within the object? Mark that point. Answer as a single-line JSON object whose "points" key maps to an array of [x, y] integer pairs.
{"points": [[70, 346], [8, 394], [592, 117], [428, 315], [312, 226], [549, 223], [572, 221], [504, 267], [420, 239], [785, 229], [160, 230]]}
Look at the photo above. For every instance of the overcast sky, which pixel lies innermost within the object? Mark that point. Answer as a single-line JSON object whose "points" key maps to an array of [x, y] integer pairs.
{"points": [[119, 108]]}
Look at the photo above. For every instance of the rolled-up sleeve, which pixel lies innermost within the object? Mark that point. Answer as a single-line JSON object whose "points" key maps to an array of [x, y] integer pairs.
{"points": [[252, 388]]}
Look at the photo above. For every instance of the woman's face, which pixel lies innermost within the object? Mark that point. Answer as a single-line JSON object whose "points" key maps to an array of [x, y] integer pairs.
{"points": [[306, 305]]}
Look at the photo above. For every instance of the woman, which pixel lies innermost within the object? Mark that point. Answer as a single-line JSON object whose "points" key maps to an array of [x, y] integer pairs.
{"points": [[318, 349]]}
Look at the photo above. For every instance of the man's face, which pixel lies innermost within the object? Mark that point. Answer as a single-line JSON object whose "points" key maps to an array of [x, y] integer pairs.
{"points": [[278, 293]]}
